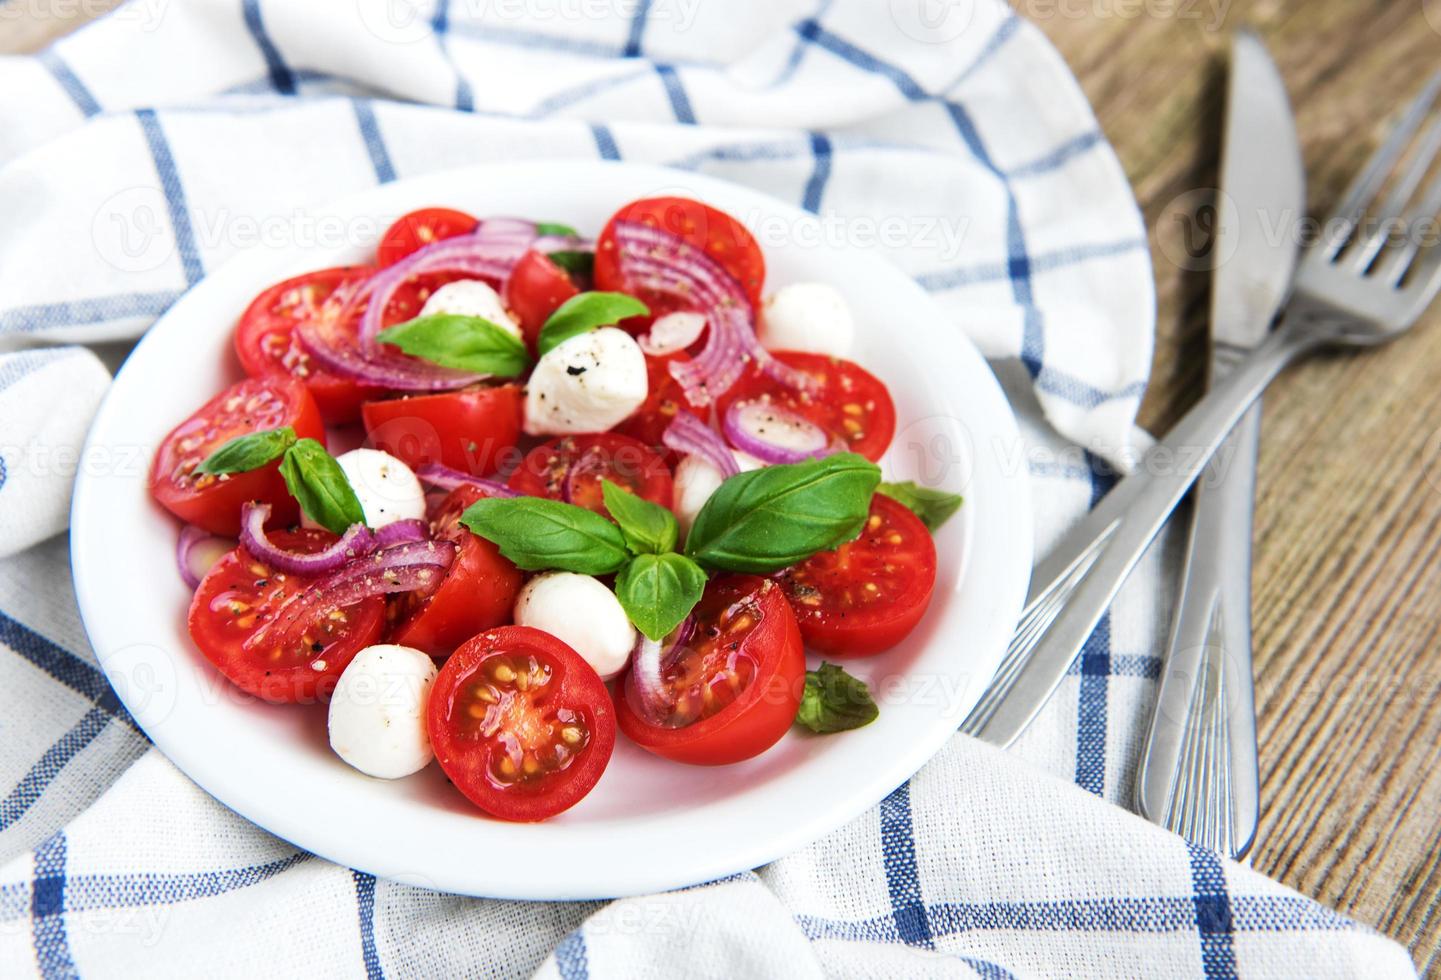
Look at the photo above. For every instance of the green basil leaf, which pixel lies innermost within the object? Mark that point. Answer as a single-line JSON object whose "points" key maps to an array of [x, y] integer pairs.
{"points": [[466, 343], [579, 265], [555, 229], [647, 527], [536, 534], [834, 701], [933, 507], [317, 481], [764, 520], [584, 313], [658, 591], [248, 452]]}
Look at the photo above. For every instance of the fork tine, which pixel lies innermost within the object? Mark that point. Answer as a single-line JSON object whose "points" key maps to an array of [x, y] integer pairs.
{"points": [[1396, 261], [1373, 176], [1394, 209]]}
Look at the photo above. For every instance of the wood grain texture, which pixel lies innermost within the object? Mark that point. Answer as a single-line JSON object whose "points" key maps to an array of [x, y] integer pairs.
{"points": [[1348, 552]]}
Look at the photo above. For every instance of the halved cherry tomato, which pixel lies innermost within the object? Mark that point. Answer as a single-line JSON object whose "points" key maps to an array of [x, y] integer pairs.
{"points": [[520, 723], [867, 595], [268, 346], [656, 413], [572, 468], [853, 405], [473, 430], [213, 502], [418, 229], [535, 290], [241, 593], [719, 235], [477, 593], [733, 688]]}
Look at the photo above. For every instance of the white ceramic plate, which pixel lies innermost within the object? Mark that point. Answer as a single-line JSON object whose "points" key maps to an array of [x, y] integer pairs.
{"points": [[649, 824]]}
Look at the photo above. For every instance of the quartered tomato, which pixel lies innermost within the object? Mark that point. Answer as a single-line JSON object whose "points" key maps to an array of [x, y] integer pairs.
{"points": [[420, 228], [867, 595], [852, 404], [731, 690], [656, 413], [719, 235], [473, 430], [240, 594], [535, 290], [572, 468], [213, 502], [268, 345], [520, 723], [477, 593]]}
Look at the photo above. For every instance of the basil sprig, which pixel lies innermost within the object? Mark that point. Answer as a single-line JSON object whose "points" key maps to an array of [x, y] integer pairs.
{"points": [[834, 701], [537, 533], [933, 507], [466, 343], [248, 452], [316, 480], [648, 528], [657, 591], [768, 519], [585, 312]]}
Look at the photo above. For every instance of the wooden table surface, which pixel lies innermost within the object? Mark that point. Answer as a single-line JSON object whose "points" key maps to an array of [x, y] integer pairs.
{"points": [[1348, 550]]}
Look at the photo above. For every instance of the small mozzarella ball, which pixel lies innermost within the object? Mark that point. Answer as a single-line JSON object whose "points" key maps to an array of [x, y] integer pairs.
{"points": [[696, 479], [377, 713], [673, 332], [470, 297], [387, 488], [589, 383], [583, 613], [808, 316]]}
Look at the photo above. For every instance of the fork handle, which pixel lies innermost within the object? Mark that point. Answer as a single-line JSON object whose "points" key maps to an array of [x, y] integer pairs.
{"points": [[1199, 774], [1073, 587]]}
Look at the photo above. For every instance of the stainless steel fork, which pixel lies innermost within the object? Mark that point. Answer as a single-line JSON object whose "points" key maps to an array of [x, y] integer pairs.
{"points": [[1357, 286]]}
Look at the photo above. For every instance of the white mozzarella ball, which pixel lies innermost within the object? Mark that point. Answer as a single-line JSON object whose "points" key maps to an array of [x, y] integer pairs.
{"points": [[673, 332], [589, 383], [377, 713], [808, 316], [583, 613], [696, 479], [387, 488], [471, 297]]}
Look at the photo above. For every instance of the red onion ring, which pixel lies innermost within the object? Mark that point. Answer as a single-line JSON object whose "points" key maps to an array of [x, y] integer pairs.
{"points": [[660, 262], [593, 460], [358, 540], [689, 436], [196, 551], [649, 659], [448, 479], [745, 427], [402, 532], [673, 332], [399, 568]]}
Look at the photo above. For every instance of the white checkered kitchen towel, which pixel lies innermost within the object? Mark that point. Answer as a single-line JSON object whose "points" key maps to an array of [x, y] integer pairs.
{"points": [[112, 863]]}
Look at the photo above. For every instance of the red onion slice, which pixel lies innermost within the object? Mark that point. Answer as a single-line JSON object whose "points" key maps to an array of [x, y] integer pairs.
{"points": [[648, 661], [593, 461], [358, 540], [689, 436], [448, 479], [660, 262], [402, 532], [399, 568], [197, 551], [773, 434], [673, 332]]}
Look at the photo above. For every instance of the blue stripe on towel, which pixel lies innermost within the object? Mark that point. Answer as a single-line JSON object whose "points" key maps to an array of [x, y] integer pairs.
{"points": [[898, 852], [66, 78], [47, 912], [281, 78], [174, 192]]}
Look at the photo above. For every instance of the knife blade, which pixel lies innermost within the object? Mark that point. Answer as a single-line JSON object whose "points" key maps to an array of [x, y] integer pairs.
{"points": [[1198, 773], [1025, 683]]}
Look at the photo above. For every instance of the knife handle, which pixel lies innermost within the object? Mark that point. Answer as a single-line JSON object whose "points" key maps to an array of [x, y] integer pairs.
{"points": [[1199, 775]]}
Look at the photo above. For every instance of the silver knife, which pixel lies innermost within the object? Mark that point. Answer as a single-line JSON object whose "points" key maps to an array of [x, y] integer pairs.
{"points": [[1073, 584], [1198, 774]]}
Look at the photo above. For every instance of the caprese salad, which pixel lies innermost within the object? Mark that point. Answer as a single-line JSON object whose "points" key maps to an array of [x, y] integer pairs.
{"points": [[601, 485]]}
